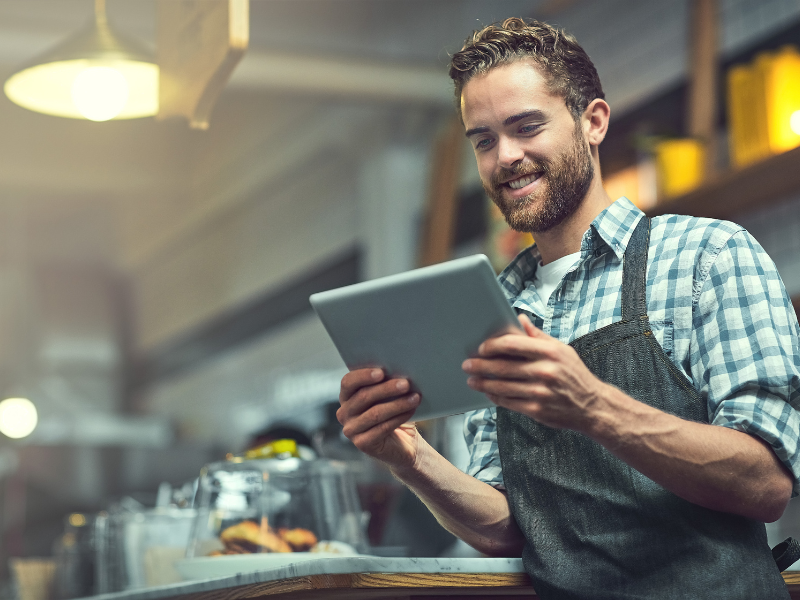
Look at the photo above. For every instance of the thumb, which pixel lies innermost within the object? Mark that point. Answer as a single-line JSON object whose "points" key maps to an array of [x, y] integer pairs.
{"points": [[529, 328]]}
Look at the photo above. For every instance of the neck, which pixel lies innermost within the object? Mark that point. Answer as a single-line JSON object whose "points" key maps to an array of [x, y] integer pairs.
{"points": [[566, 237]]}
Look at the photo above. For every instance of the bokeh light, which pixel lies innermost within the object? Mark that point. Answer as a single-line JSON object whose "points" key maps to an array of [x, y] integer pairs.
{"points": [[18, 417], [794, 122]]}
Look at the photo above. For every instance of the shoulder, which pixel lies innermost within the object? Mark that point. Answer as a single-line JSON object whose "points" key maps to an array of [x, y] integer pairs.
{"points": [[692, 233], [683, 246], [717, 256]]}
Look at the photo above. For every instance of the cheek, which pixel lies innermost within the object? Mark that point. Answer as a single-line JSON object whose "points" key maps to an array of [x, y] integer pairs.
{"points": [[486, 166]]}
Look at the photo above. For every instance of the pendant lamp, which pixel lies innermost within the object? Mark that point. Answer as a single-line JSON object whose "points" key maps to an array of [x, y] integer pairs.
{"points": [[97, 74]]}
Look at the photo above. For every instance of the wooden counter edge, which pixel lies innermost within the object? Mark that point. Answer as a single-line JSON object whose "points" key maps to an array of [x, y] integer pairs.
{"points": [[364, 581], [474, 582], [792, 579]]}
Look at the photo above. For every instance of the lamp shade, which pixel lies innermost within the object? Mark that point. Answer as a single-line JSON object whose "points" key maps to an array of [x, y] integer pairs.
{"points": [[97, 74]]}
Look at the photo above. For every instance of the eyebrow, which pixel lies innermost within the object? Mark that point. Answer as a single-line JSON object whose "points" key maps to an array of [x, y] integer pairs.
{"points": [[509, 121], [474, 130], [524, 115]]}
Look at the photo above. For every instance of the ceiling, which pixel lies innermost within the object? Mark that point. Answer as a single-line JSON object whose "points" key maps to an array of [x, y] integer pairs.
{"points": [[362, 50], [416, 31]]}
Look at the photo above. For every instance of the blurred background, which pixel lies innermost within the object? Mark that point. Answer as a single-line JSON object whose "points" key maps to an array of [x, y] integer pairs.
{"points": [[154, 276]]}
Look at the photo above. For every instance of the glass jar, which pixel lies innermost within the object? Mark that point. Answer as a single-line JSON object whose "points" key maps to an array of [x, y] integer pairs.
{"points": [[139, 548], [276, 505]]}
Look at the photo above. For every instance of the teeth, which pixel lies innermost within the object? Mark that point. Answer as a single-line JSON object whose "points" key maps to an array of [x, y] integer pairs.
{"points": [[522, 182]]}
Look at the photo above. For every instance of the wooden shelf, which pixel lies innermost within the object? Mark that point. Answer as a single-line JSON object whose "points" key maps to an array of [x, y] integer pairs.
{"points": [[735, 192]]}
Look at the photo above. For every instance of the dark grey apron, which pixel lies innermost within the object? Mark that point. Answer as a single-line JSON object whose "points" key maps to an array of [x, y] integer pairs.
{"points": [[597, 528]]}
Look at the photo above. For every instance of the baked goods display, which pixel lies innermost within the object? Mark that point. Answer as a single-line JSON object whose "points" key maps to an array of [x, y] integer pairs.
{"points": [[249, 537], [273, 507]]}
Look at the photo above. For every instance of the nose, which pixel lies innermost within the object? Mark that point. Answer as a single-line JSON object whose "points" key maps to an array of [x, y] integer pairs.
{"points": [[509, 152]]}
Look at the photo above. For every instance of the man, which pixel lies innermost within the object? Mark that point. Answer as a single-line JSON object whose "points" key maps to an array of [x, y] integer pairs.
{"points": [[639, 445]]}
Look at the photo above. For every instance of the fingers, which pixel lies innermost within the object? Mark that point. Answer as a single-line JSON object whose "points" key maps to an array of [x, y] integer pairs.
{"points": [[533, 409], [368, 400], [528, 327], [355, 380], [499, 388], [371, 439], [532, 346], [500, 368], [382, 416], [372, 393]]}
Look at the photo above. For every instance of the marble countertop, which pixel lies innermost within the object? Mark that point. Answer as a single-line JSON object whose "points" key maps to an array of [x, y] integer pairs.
{"points": [[325, 566]]}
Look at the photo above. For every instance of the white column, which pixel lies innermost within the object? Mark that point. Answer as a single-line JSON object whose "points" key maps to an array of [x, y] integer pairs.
{"points": [[393, 186]]}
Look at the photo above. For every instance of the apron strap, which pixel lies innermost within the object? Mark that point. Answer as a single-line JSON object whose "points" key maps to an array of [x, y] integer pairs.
{"points": [[634, 272], [786, 553]]}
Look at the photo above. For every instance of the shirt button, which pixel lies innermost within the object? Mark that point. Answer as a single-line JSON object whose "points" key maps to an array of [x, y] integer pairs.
{"points": [[598, 252]]}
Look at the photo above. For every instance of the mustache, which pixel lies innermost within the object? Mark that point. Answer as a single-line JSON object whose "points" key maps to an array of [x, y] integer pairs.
{"points": [[520, 170]]}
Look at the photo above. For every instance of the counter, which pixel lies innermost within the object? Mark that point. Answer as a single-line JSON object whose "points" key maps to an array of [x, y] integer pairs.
{"points": [[367, 578], [359, 577]]}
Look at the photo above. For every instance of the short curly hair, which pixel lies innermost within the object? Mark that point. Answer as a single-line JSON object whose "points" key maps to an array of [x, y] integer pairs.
{"points": [[569, 70]]}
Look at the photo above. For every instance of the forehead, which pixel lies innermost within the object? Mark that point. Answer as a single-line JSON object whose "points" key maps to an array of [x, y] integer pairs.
{"points": [[506, 90]]}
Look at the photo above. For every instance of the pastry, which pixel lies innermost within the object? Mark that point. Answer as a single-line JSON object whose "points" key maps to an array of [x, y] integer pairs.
{"points": [[301, 540], [250, 537]]}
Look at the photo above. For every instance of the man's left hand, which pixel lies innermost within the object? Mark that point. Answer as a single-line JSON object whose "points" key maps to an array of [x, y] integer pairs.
{"points": [[716, 467], [534, 374]]}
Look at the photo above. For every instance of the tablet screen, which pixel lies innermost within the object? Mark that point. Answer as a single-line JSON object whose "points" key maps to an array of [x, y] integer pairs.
{"points": [[422, 325]]}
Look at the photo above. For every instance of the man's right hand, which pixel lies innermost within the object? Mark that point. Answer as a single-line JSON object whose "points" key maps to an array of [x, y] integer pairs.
{"points": [[374, 413]]}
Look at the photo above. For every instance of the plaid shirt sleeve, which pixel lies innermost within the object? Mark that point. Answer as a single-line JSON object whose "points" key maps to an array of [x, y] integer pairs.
{"points": [[480, 432], [745, 355]]}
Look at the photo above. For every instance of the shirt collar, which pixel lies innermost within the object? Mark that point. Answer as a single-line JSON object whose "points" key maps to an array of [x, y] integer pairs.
{"points": [[612, 228]]}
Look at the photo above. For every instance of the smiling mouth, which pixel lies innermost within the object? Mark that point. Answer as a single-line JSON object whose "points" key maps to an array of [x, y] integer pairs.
{"points": [[516, 184]]}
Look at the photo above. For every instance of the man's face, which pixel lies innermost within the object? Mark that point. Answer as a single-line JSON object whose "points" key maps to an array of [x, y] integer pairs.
{"points": [[532, 157]]}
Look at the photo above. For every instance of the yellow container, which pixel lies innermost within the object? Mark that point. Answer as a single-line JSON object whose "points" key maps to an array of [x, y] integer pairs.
{"points": [[747, 112], [763, 101], [782, 87], [680, 166]]}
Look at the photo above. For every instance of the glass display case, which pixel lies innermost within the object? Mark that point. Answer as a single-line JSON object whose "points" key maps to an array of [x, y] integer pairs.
{"points": [[278, 505]]}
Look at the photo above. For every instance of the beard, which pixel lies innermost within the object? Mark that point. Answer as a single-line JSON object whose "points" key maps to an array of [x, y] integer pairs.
{"points": [[566, 180]]}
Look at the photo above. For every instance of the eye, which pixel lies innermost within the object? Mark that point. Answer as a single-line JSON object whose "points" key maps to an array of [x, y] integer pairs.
{"points": [[483, 143], [531, 128]]}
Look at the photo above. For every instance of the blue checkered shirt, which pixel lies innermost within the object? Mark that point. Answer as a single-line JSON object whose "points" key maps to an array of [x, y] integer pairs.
{"points": [[716, 305]]}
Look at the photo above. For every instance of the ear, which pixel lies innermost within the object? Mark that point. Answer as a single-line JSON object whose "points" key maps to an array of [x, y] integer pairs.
{"points": [[595, 121]]}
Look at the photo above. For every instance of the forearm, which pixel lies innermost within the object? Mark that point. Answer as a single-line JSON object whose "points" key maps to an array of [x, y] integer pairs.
{"points": [[715, 467], [470, 509]]}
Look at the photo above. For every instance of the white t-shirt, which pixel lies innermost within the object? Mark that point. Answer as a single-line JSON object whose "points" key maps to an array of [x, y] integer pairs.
{"points": [[547, 277]]}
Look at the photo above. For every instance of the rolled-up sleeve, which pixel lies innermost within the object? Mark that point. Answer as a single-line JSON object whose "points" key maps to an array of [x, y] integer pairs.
{"points": [[745, 349], [480, 432]]}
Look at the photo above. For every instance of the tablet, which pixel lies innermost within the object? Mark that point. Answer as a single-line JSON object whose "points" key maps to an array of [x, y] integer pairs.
{"points": [[421, 325]]}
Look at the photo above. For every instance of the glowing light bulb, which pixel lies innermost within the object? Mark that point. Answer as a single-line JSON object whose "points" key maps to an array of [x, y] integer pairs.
{"points": [[794, 122], [100, 93], [18, 417]]}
